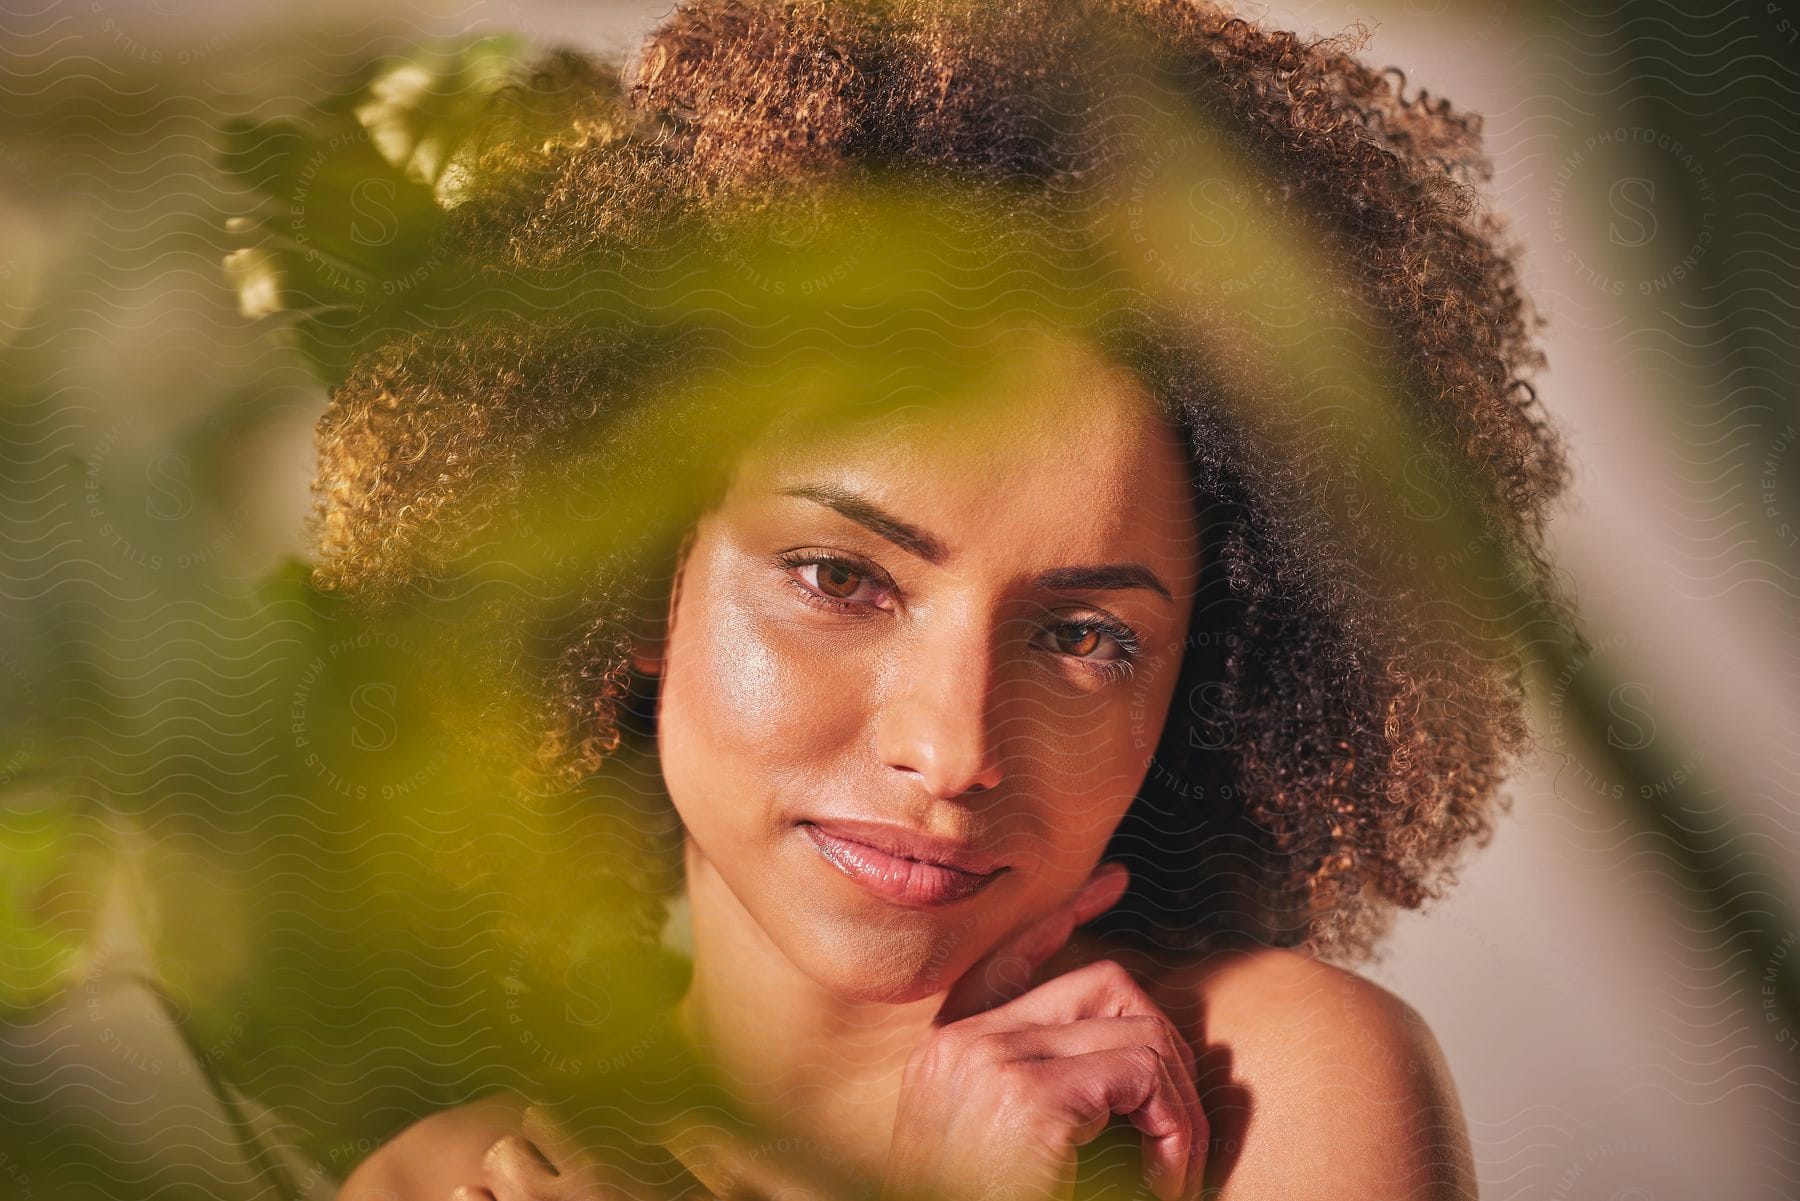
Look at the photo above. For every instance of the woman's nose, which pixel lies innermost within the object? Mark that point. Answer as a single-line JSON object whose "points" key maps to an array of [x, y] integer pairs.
{"points": [[940, 721]]}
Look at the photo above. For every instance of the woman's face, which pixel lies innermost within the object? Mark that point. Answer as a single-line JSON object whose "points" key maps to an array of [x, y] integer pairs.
{"points": [[928, 625]]}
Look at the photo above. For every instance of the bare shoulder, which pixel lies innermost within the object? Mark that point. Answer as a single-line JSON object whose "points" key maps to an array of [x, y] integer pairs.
{"points": [[1272, 992], [428, 1159], [1319, 1083]]}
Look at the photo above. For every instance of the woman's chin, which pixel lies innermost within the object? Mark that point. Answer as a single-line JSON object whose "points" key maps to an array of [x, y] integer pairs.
{"points": [[888, 992], [875, 967]]}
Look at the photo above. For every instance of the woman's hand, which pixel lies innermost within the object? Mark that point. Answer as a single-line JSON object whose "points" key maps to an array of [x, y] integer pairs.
{"points": [[1001, 1092], [542, 1163]]}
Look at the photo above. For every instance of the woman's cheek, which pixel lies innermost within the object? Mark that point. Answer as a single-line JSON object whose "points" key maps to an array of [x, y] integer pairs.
{"points": [[1084, 742], [757, 707], [806, 676], [1097, 785]]}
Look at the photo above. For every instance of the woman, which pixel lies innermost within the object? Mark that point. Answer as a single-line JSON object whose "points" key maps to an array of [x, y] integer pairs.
{"points": [[1047, 629]]}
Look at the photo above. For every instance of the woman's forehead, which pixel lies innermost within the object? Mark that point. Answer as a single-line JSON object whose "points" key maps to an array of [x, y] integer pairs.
{"points": [[1031, 398], [1075, 418], [1087, 460]]}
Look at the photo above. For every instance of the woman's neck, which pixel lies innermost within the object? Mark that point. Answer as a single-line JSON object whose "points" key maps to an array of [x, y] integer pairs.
{"points": [[800, 1059]]}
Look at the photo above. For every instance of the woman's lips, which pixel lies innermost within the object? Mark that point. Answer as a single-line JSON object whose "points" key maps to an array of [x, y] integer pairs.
{"points": [[895, 878]]}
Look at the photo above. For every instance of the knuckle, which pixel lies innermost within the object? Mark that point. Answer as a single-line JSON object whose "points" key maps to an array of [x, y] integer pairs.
{"points": [[1112, 981], [514, 1158], [949, 1040], [504, 1149], [1112, 974], [1016, 1082], [1010, 1073], [944, 1050], [989, 1050]]}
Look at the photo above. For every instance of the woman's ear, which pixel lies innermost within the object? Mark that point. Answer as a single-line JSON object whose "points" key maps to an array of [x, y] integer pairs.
{"points": [[649, 650], [650, 645], [647, 656]]}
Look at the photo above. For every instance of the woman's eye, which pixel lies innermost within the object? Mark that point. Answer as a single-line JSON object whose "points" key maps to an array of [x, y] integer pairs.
{"points": [[836, 580], [828, 582], [1082, 639], [832, 582], [1078, 640]]}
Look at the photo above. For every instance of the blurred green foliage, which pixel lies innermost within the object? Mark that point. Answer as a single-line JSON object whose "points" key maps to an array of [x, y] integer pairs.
{"points": [[351, 917]]}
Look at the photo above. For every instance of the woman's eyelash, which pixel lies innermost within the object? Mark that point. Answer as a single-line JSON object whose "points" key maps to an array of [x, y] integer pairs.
{"points": [[1130, 646], [1123, 634], [797, 559]]}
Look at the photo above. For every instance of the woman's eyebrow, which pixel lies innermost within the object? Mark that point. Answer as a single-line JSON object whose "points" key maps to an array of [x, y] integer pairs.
{"points": [[1102, 577], [865, 512]]}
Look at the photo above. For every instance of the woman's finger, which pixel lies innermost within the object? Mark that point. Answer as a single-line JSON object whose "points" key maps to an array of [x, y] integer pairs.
{"points": [[1098, 1034], [1100, 989], [548, 1136], [1135, 1081], [1005, 972], [576, 1172], [1095, 1034], [514, 1169]]}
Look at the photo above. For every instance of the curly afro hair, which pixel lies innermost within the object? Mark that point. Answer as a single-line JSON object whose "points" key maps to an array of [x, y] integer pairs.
{"points": [[1345, 718]]}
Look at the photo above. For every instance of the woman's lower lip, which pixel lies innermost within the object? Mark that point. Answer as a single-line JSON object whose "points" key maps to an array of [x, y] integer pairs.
{"points": [[901, 881]]}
